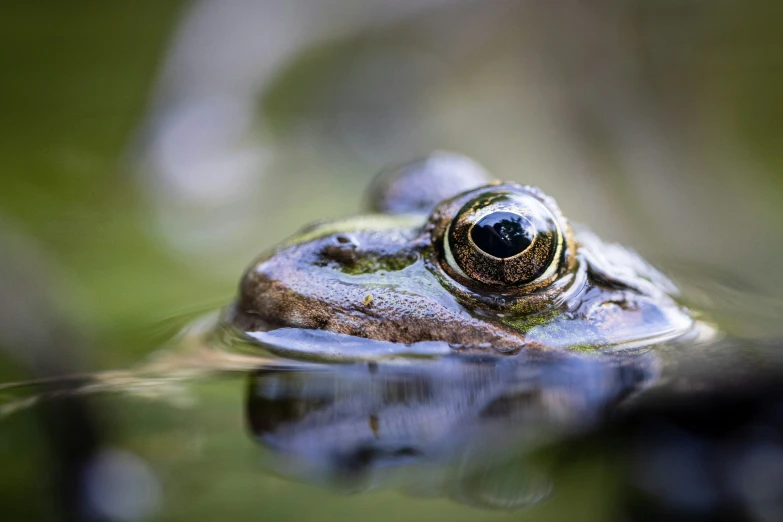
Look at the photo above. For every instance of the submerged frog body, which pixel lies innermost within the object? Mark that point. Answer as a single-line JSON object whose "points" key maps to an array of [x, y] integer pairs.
{"points": [[448, 255]]}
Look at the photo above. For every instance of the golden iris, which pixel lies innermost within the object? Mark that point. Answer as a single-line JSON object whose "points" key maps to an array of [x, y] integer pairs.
{"points": [[505, 238]]}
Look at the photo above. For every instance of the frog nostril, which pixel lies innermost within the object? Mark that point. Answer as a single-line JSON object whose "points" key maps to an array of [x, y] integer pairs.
{"points": [[343, 241], [343, 253]]}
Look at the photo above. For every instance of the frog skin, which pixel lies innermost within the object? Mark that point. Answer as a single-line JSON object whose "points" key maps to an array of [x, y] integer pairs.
{"points": [[446, 254]]}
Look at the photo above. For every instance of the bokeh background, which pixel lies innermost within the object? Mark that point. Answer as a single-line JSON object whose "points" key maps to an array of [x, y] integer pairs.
{"points": [[150, 149]]}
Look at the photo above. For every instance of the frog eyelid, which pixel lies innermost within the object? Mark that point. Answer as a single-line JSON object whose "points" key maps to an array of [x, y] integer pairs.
{"points": [[449, 256], [554, 265]]}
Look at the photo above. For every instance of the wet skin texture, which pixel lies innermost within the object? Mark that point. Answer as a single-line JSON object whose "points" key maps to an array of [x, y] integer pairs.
{"points": [[448, 255]]}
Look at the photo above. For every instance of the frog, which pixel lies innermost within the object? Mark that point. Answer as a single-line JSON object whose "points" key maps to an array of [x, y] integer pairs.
{"points": [[447, 253]]}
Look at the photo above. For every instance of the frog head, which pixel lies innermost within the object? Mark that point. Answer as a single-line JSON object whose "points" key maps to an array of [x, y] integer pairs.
{"points": [[447, 254]]}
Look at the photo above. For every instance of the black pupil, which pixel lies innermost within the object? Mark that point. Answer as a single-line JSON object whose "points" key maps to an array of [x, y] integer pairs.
{"points": [[502, 234]]}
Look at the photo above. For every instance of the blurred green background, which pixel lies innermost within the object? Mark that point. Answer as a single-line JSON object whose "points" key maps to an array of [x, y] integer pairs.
{"points": [[150, 149]]}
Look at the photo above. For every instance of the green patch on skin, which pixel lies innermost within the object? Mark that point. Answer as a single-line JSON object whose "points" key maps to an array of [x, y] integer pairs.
{"points": [[374, 264], [583, 348], [547, 329], [357, 224], [523, 323]]}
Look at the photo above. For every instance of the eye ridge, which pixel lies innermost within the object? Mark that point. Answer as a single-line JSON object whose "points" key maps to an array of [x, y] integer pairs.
{"points": [[493, 236]]}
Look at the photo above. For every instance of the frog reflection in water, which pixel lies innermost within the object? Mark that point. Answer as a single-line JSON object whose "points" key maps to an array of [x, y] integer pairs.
{"points": [[449, 255], [457, 426]]}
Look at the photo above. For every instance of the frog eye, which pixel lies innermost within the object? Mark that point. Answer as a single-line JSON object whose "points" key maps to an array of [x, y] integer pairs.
{"points": [[504, 238]]}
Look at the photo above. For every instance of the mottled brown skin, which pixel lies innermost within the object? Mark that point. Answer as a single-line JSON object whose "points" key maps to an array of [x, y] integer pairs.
{"points": [[397, 278], [304, 286]]}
